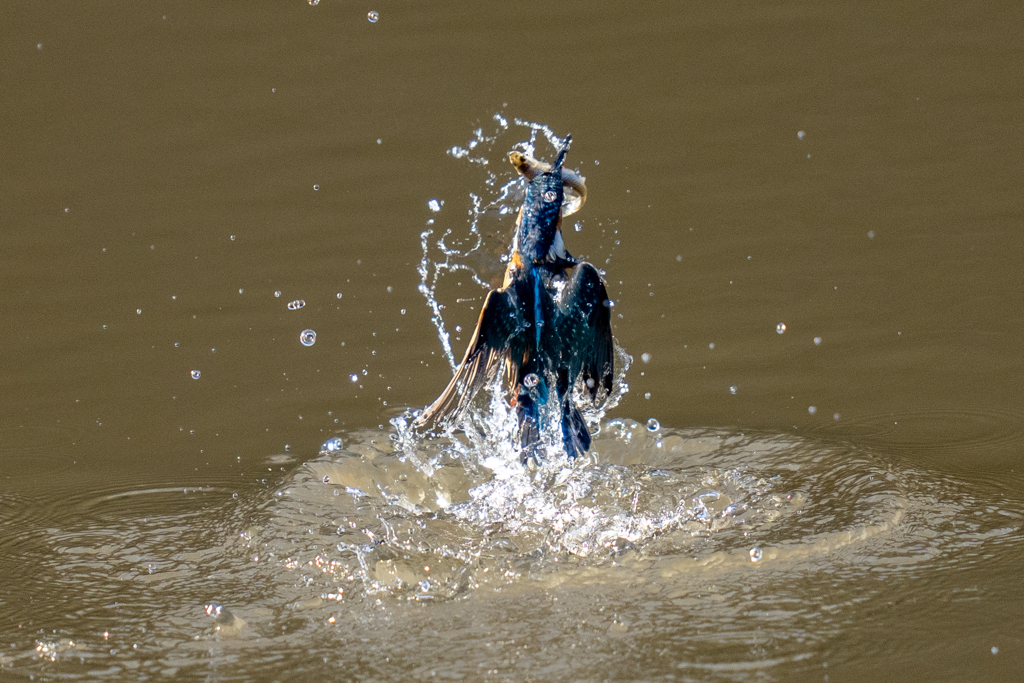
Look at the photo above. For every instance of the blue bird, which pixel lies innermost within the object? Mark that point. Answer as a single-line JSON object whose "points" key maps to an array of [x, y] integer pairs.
{"points": [[548, 327]]}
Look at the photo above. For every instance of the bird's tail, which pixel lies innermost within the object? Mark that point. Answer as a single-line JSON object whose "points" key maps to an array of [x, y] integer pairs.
{"points": [[575, 435]]}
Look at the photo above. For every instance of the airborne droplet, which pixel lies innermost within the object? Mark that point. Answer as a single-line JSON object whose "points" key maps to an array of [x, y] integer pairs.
{"points": [[307, 337]]}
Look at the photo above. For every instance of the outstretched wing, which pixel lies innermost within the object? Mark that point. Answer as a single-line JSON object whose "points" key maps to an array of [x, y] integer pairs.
{"points": [[585, 328], [485, 356]]}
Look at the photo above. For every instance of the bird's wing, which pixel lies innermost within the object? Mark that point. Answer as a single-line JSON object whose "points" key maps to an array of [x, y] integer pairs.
{"points": [[489, 349], [585, 327]]}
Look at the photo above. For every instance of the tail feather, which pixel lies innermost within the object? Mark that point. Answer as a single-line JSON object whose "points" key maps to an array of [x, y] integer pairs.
{"points": [[575, 434]]}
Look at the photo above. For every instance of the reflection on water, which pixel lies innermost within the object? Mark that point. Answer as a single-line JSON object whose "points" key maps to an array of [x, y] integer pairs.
{"points": [[721, 552]]}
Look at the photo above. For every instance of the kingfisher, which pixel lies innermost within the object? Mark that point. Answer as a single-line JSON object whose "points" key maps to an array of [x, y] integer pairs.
{"points": [[548, 328]]}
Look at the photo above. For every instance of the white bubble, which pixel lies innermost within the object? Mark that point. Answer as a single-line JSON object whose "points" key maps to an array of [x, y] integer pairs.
{"points": [[196, 374], [232, 238], [307, 337], [871, 234], [733, 389], [647, 395], [800, 134], [339, 295], [315, 188], [711, 345], [755, 554], [314, 3], [403, 311], [435, 205], [578, 226], [277, 293], [812, 409], [138, 311], [296, 305], [372, 16], [817, 341], [653, 425], [531, 380], [645, 357], [780, 328], [331, 445], [835, 416], [354, 377]]}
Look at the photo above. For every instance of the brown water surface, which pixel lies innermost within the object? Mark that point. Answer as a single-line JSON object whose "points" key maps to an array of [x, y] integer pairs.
{"points": [[840, 499]]}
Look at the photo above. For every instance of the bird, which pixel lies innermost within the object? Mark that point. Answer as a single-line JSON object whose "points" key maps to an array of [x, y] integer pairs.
{"points": [[548, 327]]}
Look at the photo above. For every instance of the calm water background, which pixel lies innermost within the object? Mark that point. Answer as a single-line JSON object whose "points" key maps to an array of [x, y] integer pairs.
{"points": [[853, 172]]}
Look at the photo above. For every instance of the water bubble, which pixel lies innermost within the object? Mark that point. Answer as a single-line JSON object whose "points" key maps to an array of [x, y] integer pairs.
{"points": [[390, 289], [578, 226], [645, 357], [531, 380], [138, 311], [296, 305], [755, 554], [812, 409], [339, 295], [435, 205], [711, 346], [591, 383], [315, 188], [550, 196], [402, 311], [817, 341], [196, 374], [871, 234], [354, 377], [314, 3], [800, 134], [372, 16], [653, 425], [307, 337], [732, 389], [39, 46], [835, 416], [332, 444], [647, 396], [277, 293], [67, 209], [780, 328], [232, 238]]}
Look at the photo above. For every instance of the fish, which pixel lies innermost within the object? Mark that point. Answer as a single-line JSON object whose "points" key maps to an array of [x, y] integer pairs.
{"points": [[547, 328]]}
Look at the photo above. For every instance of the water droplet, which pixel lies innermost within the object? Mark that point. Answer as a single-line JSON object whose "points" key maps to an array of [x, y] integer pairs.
{"points": [[435, 205], [403, 311], [755, 554], [315, 188], [39, 46], [354, 378], [578, 226], [732, 389], [314, 3], [812, 409], [67, 209], [138, 311], [232, 238], [307, 337], [711, 346], [871, 234], [653, 425], [531, 380], [800, 134], [591, 383], [372, 16], [331, 445], [296, 305], [645, 357], [647, 396], [817, 341], [835, 416], [780, 328], [277, 293], [196, 374], [550, 196], [339, 295], [390, 289]]}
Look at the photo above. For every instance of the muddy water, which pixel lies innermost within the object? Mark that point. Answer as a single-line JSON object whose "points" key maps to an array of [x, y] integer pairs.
{"points": [[840, 499]]}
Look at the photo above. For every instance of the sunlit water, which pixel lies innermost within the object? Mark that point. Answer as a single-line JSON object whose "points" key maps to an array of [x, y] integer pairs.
{"points": [[767, 547]]}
